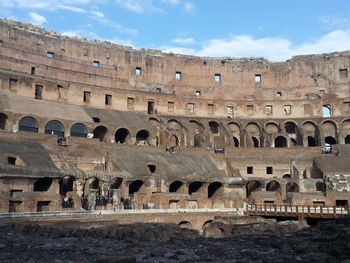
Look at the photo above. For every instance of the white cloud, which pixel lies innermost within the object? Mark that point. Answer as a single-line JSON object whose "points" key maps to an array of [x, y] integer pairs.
{"points": [[97, 13], [183, 41], [189, 7], [139, 6], [335, 21], [172, 2], [72, 9], [37, 19], [178, 50], [276, 49]]}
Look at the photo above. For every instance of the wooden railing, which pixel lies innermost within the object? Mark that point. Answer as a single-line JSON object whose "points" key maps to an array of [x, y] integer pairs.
{"points": [[296, 210]]}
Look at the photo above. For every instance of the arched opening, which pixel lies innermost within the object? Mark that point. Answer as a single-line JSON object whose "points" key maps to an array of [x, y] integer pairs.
{"points": [[235, 141], [215, 189], [252, 186], [273, 186], [174, 140], [78, 130], [347, 139], [196, 126], [207, 223], [320, 186], [194, 187], [185, 224], [152, 168], [174, 125], [42, 184], [175, 186], [330, 140], [286, 176], [28, 124], [280, 142], [214, 127], [290, 127], [271, 128], [3, 120], [311, 141], [292, 187], [122, 135], [116, 183], [197, 140], [255, 142], [326, 109], [142, 137], [66, 184], [100, 132], [54, 128], [135, 186], [294, 142], [94, 184]]}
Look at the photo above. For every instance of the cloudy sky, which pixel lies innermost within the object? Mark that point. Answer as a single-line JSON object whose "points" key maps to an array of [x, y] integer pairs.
{"points": [[273, 29]]}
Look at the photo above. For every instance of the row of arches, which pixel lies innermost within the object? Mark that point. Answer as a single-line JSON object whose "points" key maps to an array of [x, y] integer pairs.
{"points": [[214, 189], [274, 186]]}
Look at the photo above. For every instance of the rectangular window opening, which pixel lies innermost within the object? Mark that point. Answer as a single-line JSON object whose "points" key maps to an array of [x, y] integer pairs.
{"points": [[12, 83], [343, 73], [1, 43], [11, 160], [158, 90], [150, 107], [268, 109], [38, 92], [138, 72], [257, 78], [230, 111], [170, 106], [278, 94], [86, 97], [108, 99], [249, 169], [211, 108], [130, 103], [190, 107], [217, 77], [197, 93], [250, 109], [178, 75], [50, 54], [32, 71], [96, 64], [269, 170], [287, 109]]}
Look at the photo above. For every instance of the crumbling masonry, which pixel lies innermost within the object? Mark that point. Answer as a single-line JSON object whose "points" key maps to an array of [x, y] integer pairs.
{"points": [[86, 125]]}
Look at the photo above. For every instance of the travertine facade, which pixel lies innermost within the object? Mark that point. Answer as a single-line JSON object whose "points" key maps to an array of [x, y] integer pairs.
{"points": [[91, 121]]}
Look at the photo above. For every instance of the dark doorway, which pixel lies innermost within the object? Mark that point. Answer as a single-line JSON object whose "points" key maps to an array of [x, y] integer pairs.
{"points": [[343, 203], [292, 187], [122, 135], [255, 142], [54, 128], [135, 186], [194, 187], [330, 140], [311, 142], [214, 127], [252, 186], [3, 120], [42, 184], [235, 141], [78, 130], [100, 132], [43, 206], [142, 137], [273, 186], [66, 184], [28, 124], [214, 189], [150, 108], [175, 186], [280, 142]]}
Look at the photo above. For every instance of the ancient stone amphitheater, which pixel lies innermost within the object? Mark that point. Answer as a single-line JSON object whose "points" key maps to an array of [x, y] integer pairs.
{"points": [[99, 126]]}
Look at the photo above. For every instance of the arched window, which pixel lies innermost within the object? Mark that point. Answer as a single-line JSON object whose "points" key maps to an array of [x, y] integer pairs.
{"points": [[330, 140], [122, 135], [135, 186], [326, 111], [235, 141], [214, 189], [42, 184], [175, 186], [280, 142], [290, 127], [292, 187], [142, 137], [347, 139], [100, 132], [78, 130], [214, 127], [54, 127], [311, 141], [273, 186], [320, 186], [28, 124], [252, 186], [255, 142], [194, 187], [3, 119]]}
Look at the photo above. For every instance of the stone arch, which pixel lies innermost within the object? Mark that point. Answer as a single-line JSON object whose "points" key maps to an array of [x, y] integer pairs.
{"points": [[281, 142], [214, 127], [330, 140], [291, 127], [78, 130], [135, 186], [142, 137], [345, 131], [235, 130], [311, 133], [28, 124], [116, 183], [326, 111], [272, 128], [256, 142], [122, 135], [253, 131], [253, 186], [286, 176], [194, 187], [292, 187], [273, 186], [100, 132], [174, 140], [42, 184], [66, 184], [235, 141], [215, 189], [320, 186], [329, 129], [174, 125], [185, 224], [176, 187], [196, 126], [3, 120], [207, 223], [55, 128]]}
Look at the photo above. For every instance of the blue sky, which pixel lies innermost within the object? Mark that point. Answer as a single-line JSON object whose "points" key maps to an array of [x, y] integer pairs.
{"points": [[273, 29]]}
